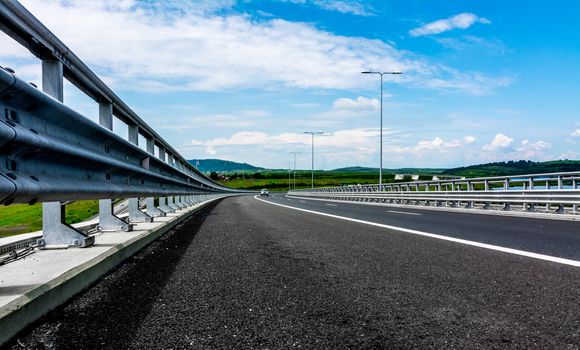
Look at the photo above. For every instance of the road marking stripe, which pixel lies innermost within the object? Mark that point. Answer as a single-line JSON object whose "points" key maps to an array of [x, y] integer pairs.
{"points": [[302, 201], [441, 237], [331, 205], [402, 212]]}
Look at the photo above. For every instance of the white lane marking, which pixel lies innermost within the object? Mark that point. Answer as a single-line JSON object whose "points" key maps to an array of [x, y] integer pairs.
{"points": [[331, 205], [444, 238], [302, 201], [402, 212]]}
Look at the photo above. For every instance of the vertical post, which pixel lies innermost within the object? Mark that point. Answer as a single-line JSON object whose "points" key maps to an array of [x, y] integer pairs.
{"points": [[135, 215], [55, 232], [164, 201], [107, 219], [381, 141], [171, 199], [575, 206], [289, 178], [53, 78], [313, 160], [150, 201]]}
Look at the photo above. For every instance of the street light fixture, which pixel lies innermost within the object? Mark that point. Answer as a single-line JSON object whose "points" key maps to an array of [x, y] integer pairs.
{"points": [[313, 133], [295, 153], [381, 139]]}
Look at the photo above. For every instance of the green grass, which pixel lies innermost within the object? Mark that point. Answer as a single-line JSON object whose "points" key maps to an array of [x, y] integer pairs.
{"points": [[21, 218], [278, 180]]}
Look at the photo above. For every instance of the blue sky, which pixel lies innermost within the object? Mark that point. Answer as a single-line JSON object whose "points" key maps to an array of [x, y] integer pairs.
{"points": [[241, 80]]}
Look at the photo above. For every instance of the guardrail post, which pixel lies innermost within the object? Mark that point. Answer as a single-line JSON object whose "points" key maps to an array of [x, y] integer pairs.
{"points": [[55, 232], [574, 206], [107, 219], [179, 202], [163, 205], [135, 214], [171, 203], [152, 210], [164, 201], [171, 199]]}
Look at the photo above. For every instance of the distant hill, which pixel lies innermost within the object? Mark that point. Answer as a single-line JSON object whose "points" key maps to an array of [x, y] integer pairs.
{"points": [[218, 165], [360, 169], [515, 168], [355, 169]]}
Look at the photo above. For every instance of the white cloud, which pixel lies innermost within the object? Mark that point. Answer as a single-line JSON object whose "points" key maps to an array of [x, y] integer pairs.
{"points": [[569, 155], [358, 104], [576, 133], [533, 150], [343, 6], [160, 48], [469, 140], [500, 141], [535, 146], [460, 21], [471, 43]]}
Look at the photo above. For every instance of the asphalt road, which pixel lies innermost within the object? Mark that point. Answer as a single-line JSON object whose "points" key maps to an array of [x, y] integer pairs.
{"points": [[247, 274], [543, 236]]}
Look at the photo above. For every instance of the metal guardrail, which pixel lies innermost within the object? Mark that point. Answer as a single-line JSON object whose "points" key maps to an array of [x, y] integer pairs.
{"points": [[530, 192], [50, 153]]}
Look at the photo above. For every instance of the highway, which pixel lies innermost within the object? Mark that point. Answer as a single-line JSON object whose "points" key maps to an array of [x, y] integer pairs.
{"points": [[543, 236], [246, 274]]}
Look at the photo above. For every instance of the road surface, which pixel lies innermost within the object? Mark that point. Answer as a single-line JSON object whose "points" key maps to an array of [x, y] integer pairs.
{"points": [[246, 274]]}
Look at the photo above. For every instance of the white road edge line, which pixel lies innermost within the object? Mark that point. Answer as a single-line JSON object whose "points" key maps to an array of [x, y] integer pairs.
{"points": [[402, 212], [441, 237]]}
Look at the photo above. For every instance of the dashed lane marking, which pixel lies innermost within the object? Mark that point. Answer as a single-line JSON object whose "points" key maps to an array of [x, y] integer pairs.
{"points": [[402, 212]]}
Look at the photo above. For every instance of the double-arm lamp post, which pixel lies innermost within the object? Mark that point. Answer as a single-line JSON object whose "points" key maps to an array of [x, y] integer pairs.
{"points": [[381, 140]]}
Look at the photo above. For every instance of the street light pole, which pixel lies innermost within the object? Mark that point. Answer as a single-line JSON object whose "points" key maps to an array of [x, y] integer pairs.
{"points": [[289, 172], [313, 133], [295, 153], [381, 132]]}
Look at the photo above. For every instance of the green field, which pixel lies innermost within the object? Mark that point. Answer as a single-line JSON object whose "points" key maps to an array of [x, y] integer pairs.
{"points": [[22, 218], [278, 180]]}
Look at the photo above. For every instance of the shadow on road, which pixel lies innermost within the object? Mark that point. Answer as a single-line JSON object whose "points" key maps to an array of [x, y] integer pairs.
{"points": [[119, 303]]}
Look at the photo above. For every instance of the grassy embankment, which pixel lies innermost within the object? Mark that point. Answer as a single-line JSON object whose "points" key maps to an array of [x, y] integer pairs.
{"points": [[22, 218]]}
